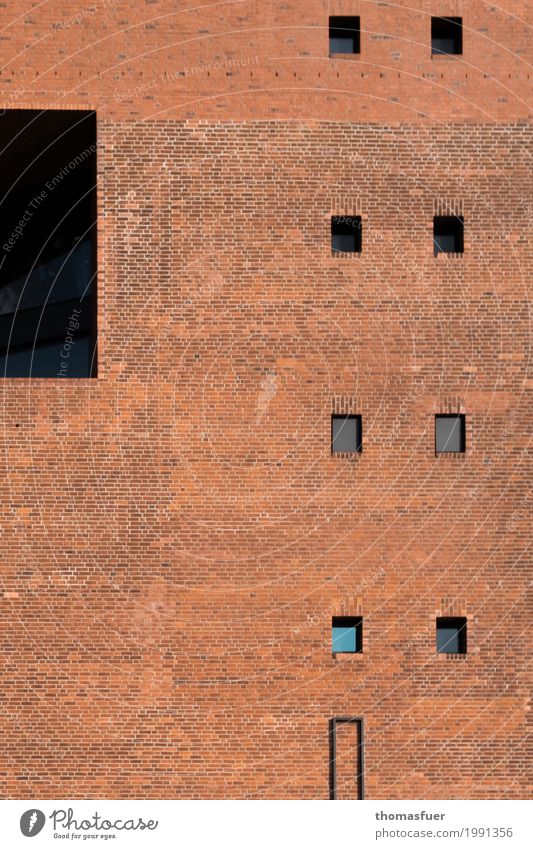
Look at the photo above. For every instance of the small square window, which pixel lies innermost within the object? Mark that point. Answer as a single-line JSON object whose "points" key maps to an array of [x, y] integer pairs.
{"points": [[447, 36], [344, 35], [448, 234], [346, 634], [346, 234], [450, 434], [346, 434], [451, 635]]}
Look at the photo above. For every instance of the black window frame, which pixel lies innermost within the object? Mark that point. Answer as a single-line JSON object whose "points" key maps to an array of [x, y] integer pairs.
{"points": [[346, 720]]}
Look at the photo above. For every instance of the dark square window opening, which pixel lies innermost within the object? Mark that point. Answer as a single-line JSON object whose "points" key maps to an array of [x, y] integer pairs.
{"points": [[447, 36], [346, 634], [451, 635], [346, 434], [448, 234], [450, 433], [48, 274], [346, 234], [344, 35]]}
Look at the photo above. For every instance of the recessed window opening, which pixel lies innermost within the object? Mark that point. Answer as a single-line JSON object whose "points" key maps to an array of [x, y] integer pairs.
{"points": [[448, 234], [450, 435], [451, 635], [346, 434], [447, 36], [346, 234], [344, 35]]}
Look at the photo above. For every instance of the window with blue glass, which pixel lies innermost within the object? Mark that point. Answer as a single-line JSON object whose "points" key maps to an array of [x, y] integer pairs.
{"points": [[48, 269], [346, 634], [451, 635]]}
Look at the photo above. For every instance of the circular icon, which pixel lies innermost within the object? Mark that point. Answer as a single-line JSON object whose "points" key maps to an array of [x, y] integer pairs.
{"points": [[32, 822]]}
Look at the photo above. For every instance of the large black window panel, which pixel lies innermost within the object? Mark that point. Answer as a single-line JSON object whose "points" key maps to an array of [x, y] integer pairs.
{"points": [[346, 434], [448, 234], [48, 239], [450, 436], [346, 234], [447, 36], [451, 635], [344, 35]]}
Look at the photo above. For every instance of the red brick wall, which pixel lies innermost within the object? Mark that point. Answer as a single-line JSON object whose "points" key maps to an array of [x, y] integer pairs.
{"points": [[175, 534], [266, 59]]}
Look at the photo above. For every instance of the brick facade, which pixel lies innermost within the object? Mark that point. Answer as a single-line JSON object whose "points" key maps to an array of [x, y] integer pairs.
{"points": [[176, 535]]}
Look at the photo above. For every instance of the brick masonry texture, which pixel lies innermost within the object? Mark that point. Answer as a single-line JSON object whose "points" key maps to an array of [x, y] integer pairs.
{"points": [[175, 534], [262, 58]]}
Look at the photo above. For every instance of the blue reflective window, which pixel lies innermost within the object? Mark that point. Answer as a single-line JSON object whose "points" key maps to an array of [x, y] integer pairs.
{"points": [[346, 634], [451, 635]]}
